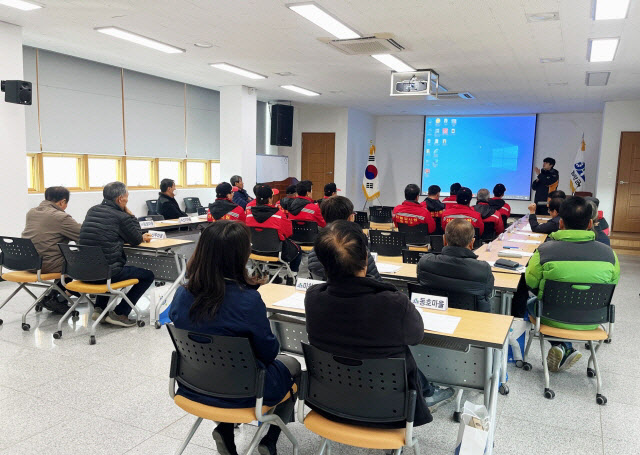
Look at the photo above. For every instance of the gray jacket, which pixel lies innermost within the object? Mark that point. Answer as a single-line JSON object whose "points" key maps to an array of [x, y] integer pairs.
{"points": [[317, 269]]}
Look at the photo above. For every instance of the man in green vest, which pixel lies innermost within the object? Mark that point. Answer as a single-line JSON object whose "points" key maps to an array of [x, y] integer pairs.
{"points": [[571, 256]]}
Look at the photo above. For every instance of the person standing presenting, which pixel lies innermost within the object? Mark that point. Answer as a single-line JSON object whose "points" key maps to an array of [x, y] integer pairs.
{"points": [[545, 183]]}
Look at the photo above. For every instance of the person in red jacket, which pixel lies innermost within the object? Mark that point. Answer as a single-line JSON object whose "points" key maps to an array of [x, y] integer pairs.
{"points": [[451, 199], [290, 195], [303, 208], [462, 210], [498, 203], [253, 202], [330, 190], [265, 215], [222, 208], [411, 212], [488, 212]]}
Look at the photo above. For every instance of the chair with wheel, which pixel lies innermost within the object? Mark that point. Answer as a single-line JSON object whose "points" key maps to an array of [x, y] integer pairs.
{"points": [[20, 256], [152, 207], [436, 243], [84, 264], [304, 234], [412, 256], [362, 390], [417, 235], [387, 243], [362, 219], [192, 204], [221, 367], [575, 304], [266, 253], [489, 233]]}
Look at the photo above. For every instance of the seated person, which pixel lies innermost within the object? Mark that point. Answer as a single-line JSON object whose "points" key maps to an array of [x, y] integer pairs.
{"points": [[489, 213], [303, 208], [47, 225], [167, 205], [435, 207], [462, 210], [330, 190], [557, 193], [457, 268], [601, 225], [355, 316], [265, 215], [219, 299], [110, 225], [451, 199], [411, 212], [222, 208], [240, 196], [252, 202], [600, 235], [338, 208], [575, 257], [550, 226], [499, 203], [290, 195]]}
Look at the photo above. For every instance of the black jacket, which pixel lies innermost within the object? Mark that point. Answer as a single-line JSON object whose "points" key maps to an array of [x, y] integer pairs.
{"points": [[317, 269], [285, 202], [241, 198], [458, 269], [550, 226], [168, 207], [297, 204], [109, 227], [434, 205], [546, 182], [220, 208], [485, 209], [365, 319]]}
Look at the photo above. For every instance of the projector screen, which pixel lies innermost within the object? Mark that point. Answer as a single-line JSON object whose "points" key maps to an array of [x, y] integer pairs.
{"points": [[478, 152]]}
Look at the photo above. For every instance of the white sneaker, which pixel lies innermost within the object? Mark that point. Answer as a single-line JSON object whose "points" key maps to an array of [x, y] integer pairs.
{"points": [[554, 357], [570, 360]]}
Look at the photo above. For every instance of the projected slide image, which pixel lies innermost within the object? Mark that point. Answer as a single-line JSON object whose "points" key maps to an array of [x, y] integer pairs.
{"points": [[479, 152]]}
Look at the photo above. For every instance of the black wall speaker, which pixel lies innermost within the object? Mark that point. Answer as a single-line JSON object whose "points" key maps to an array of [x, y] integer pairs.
{"points": [[18, 92], [281, 125]]}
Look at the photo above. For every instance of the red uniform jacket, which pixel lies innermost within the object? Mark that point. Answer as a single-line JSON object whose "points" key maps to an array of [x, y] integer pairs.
{"points": [[450, 200], [251, 203], [270, 217], [224, 209], [465, 212], [434, 206], [413, 213], [501, 206], [489, 214], [303, 208]]}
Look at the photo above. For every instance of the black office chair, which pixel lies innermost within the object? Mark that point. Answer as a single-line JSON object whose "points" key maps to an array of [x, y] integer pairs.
{"points": [[362, 390], [362, 219], [579, 304], [380, 214], [152, 207], [460, 300], [438, 230], [220, 367], [266, 252], [489, 233], [387, 243], [415, 235], [437, 243], [412, 256], [151, 218], [304, 232], [191, 204], [505, 218]]}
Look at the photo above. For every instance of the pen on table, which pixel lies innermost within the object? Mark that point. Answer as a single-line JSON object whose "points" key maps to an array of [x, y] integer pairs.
{"points": [[510, 247]]}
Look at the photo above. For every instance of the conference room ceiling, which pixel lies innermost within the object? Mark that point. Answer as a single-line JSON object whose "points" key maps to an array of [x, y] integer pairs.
{"points": [[486, 47]]}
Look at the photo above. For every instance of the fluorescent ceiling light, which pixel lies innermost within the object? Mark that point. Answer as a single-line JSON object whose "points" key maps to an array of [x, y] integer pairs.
{"points": [[324, 20], [552, 60], [304, 91], [610, 9], [603, 49], [237, 70], [543, 17], [20, 4], [139, 39], [393, 62]]}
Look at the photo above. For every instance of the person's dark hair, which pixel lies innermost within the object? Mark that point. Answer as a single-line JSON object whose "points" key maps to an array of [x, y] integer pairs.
{"points": [[56, 194], [165, 184], [459, 232], [291, 189], [575, 213], [453, 190], [222, 253], [336, 208], [304, 187], [464, 196], [555, 203], [411, 192], [223, 189], [433, 190], [235, 179], [341, 247], [549, 160], [263, 193], [499, 190], [114, 190], [329, 189], [557, 193]]}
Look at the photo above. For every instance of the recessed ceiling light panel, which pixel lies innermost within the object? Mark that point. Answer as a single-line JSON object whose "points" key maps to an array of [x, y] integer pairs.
{"points": [[237, 70], [139, 39], [543, 17], [312, 12], [610, 9], [304, 91], [602, 49], [393, 62], [20, 4], [203, 44], [552, 60], [285, 74], [597, 79]]}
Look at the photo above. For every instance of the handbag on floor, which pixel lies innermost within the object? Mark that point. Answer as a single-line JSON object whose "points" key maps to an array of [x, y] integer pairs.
{"points": [[474, 430]]}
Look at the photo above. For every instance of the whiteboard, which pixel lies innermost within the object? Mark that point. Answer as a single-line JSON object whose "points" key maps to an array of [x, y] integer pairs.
{"points": [[271, 168]]}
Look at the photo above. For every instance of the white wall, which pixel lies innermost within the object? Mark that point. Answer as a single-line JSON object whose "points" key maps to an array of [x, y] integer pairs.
{"points": [[361, 130], [618, 116]]}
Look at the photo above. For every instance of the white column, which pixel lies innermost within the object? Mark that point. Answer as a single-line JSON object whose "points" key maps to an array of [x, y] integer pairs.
{"points": [[238, 134], [13, 172]]}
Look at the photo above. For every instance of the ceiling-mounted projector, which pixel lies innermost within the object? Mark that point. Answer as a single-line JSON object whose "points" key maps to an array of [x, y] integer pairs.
{"points": [[414, 83]]}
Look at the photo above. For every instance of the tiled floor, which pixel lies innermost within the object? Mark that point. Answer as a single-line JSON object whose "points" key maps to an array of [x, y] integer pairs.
{"points": [[67, 397]]}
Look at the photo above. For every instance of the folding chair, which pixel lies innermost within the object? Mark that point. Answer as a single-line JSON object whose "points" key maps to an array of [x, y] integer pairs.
{"points": [[87, 263], [412, 256], [266, 252], [20, 255], [191, 204], [415, 235], [221, 367], [380, 214], [362, 219], [152, 207], [151, 218], [489, 233], [579, 304], [387, 243], [437, 243], [365, 390], [304, 232], [202, 211]]}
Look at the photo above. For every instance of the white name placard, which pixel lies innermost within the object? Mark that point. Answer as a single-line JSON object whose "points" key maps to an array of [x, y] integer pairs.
{"points": [[147, 224], [431, 302], [302, 284], [184, 219], [158, 235]]}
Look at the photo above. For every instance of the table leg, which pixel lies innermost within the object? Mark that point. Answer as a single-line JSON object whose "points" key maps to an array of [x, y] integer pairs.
{"points": [[507, 299], [493, 402]]}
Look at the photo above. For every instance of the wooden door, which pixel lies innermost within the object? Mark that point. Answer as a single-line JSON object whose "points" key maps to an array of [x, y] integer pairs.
{"points": [[626, 215], [318, 157]]}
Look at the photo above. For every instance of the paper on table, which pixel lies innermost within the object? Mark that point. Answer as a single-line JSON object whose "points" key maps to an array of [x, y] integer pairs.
{"points": [[439, 322], [293, 301], [526, 228], [170, 221], [521, 253], [387, 268], [520, 269], [530, 234], [534, 242]]}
